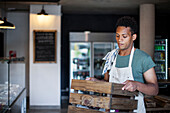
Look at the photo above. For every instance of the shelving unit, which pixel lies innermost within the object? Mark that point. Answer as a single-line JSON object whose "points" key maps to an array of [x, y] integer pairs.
{"points": [[161, 58]]}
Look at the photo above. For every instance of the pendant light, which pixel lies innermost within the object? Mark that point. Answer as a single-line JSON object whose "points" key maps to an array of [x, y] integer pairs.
{"points": [[5, 24], [42, 11]]}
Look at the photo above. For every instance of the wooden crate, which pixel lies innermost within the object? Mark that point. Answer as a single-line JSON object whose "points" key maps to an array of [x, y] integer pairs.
{"points": [[98, 95], [163, 101], [158, 104], [149, 102]]}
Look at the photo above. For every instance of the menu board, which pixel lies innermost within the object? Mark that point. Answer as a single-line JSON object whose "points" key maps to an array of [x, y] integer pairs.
{"points": [[44, 46]]}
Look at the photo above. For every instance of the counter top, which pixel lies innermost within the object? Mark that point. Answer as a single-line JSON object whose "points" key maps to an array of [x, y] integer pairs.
{"points": [[167, 82], [158, 103]]}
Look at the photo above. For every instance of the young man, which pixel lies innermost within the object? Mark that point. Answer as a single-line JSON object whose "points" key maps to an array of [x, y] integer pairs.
{"points": [[130, 66]]}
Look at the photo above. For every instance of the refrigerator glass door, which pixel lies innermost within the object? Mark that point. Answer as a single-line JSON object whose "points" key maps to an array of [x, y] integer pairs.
{"points": [[99, 51], [80, 60]]}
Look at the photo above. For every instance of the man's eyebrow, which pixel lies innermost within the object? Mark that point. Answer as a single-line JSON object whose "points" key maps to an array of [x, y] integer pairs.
{"points": [[124, 34]]}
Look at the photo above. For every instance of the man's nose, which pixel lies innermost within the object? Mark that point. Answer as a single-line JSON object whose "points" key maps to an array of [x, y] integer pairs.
{"points": [[120, 38]]}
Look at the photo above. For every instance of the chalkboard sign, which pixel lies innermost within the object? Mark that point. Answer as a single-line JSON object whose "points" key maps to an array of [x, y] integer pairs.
{"points": [[45, 46]]}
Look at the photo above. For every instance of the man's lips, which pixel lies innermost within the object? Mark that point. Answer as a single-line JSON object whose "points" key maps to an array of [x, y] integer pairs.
{"points": [[121, 44]]}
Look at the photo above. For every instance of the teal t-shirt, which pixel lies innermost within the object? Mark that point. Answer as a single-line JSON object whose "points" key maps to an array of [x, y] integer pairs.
{"points": [[140, 64]]}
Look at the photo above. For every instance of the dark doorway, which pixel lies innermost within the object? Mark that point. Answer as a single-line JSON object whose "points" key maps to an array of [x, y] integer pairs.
{"points": [[1, 44]]}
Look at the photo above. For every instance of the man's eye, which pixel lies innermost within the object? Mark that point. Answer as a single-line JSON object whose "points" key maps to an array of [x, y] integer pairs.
{"points": [[124, 36]]}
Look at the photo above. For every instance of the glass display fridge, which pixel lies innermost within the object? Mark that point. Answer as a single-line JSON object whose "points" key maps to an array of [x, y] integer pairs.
{"points": [[100, 49], [161, 58], [86, 53], [79, 60], [12, 85]]}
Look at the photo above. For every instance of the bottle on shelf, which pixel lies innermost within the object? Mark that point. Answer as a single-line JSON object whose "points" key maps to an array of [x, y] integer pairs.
{"points": [[162, 68], [162, 56], [159, 47]]}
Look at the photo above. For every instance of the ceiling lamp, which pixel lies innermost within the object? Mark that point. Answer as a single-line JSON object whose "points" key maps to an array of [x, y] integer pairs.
{"points": [[1, 21], [42, 11], [6, 24]]}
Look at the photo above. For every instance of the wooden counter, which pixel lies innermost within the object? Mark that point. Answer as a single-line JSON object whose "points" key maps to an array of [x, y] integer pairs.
{"points": [[164, 82], [157, 104]]}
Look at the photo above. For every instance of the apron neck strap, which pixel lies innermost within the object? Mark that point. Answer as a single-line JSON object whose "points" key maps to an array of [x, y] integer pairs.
{"points": [[130, 59], [131, 56]]}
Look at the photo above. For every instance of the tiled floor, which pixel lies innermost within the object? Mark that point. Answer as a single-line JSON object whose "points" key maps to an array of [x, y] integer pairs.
{"points": [[63, 109], [47, 111]]}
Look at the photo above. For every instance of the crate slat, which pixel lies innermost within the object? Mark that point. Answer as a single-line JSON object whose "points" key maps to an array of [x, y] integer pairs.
{"points": [[72, 109], [123, 104], [117, 90], [101, 87], [94, 86], [90, 100]]}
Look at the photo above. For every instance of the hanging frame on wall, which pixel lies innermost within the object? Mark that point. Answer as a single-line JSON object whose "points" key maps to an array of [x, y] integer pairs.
{"points": [[44, 46]]}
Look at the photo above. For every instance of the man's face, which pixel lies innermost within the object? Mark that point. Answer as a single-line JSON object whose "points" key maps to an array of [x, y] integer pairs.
{"points": [[124, 38]]}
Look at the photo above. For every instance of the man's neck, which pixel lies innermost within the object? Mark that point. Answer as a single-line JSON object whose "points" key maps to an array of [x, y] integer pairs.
{"points": [[125, 52]]}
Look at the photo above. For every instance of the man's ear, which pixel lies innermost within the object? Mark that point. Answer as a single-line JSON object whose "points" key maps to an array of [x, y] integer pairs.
{"points": [[134, 36]]}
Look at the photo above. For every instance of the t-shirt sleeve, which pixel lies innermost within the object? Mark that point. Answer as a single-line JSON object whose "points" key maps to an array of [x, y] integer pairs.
{"points": [[148, 64]]}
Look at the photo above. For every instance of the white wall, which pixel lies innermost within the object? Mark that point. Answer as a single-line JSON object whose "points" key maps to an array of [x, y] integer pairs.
{"points": [[45, 77], [18, 39]]}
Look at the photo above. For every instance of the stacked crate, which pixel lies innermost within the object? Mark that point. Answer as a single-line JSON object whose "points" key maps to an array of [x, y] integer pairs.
{"points": [[92, 96]]}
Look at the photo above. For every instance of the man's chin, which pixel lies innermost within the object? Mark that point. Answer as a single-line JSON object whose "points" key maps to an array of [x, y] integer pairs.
{"points": [[122, 48]]}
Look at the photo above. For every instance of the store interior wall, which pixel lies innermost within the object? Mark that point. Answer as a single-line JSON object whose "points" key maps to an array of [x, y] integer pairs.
{"points": [[44, 77], [17, 40], [1, 44]]}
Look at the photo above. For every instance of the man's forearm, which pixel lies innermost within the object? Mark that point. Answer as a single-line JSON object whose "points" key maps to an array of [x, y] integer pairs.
{"points": [[148, 88]]}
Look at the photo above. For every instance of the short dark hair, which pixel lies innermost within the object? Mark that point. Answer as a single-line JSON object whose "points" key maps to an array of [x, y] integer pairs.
{"points": [[127, 21]]}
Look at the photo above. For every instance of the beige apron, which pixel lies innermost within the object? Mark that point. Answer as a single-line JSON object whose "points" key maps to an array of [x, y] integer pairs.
{"points": [[120, 75]]}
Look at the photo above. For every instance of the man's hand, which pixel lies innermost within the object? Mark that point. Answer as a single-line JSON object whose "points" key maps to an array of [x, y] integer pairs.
{"points": [[148, 88], [130, 85]]}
